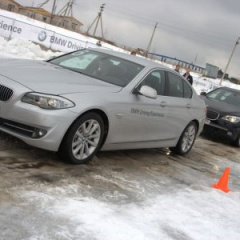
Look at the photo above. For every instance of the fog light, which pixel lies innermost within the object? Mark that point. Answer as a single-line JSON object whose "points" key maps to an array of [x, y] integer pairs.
{"points": [[38, 133]]}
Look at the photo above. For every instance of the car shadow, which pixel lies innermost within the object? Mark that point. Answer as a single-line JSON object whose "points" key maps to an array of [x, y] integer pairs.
{"points": [[216, 138]]}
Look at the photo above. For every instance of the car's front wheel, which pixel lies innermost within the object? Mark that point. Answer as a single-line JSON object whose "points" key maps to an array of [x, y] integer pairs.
{"points": [[236, 142], [186, 140], [83, 139]]}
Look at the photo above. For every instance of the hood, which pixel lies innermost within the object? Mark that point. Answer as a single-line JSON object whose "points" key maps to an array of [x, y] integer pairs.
{"points": [[222, 107], [44, 77]]}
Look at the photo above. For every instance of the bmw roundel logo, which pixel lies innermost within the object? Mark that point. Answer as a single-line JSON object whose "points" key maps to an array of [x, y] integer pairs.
{"points": [[42, 36]]}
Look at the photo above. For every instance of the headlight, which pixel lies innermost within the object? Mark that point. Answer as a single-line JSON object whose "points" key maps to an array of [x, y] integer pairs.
{"points": [[232, 119], [47, 101]]}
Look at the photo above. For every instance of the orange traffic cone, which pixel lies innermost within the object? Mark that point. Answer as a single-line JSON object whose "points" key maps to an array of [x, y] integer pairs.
{"points": [[223, 181]]}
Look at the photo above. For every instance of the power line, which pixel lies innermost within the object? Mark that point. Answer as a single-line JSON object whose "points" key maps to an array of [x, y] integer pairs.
{"points": [[121, 10]]}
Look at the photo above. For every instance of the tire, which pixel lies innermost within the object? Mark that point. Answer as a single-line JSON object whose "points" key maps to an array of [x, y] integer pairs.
{"points": [[236, 143], [186, 140], [83, 139]]}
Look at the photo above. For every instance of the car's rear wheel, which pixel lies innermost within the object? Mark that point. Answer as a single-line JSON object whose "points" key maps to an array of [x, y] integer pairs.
{"points": [[83, 139], [186, 140]]}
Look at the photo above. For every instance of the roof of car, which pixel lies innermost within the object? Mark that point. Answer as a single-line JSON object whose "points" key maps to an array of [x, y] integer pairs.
{"points": [[139, 60], [232, 89]]}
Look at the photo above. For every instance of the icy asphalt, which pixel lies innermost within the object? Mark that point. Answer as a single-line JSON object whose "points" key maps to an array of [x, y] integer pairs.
{"points": [[122, 195]]}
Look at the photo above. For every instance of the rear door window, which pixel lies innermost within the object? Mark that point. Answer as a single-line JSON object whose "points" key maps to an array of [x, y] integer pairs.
{"points": [[187, 90], [178, 87], [175, 86]]}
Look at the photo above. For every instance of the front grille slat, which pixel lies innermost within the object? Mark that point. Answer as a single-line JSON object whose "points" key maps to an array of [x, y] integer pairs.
{"points": [[5, 93], [212, 115]]}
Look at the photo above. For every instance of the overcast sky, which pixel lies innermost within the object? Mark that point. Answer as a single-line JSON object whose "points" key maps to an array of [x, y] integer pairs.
{"points": [[205, 31]]}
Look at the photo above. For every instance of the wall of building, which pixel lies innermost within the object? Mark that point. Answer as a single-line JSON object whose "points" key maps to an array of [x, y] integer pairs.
{"points": [[9, 5], [59, 21]]}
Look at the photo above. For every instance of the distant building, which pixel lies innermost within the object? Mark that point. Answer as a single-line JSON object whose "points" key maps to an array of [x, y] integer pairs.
{"points": [[42, 15], [211, 71], [39, 14], [10, 5], [67, 22], [176, 61]]}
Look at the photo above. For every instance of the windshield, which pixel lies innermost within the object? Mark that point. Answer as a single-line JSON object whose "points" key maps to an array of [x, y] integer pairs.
{"points": [[225, 95], [99, 65]]}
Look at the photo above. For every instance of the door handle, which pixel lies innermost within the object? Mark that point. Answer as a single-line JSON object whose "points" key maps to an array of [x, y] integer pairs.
{"points": [[163, 104], [188, 105]]}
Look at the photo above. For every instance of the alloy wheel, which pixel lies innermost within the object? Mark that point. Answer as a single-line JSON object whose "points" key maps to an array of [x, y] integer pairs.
{"points": [[86, 139]]}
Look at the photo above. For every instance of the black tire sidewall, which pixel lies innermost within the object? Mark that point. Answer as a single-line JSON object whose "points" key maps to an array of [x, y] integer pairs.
{"points": [[236, 143]]}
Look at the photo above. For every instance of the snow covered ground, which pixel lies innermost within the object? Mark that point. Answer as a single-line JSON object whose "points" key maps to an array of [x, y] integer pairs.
{"points": [[162, 197], [121, 195]]}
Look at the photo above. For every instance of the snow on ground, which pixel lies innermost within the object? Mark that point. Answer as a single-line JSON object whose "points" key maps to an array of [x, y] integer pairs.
{"points": [[184, 213], [18, 48]]}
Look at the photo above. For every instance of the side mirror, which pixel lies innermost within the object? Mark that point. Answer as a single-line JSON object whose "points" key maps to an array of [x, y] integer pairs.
{"points": [[148, 92], [203, 93]]}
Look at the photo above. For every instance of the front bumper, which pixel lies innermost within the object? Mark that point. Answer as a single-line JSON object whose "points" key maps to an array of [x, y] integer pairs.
{"points": [[25, 121], [222, 128], [38, 127]]}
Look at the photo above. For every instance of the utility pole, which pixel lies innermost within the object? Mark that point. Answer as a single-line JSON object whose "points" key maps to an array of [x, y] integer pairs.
{"points": [[53, 8], [150, 42], [195, 60], [41, 4], [53, 11], [97, 19], [66, 11], [237, 42]]}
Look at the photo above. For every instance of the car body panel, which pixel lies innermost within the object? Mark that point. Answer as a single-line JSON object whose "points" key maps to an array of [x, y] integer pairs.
{"points": [[66, 81]]}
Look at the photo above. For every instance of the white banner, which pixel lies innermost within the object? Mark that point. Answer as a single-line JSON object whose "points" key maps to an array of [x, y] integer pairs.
{"points": [[11, 28], [7, 27]]}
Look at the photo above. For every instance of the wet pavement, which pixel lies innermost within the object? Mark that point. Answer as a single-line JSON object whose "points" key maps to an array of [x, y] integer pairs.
{"points": [[115, 177]]}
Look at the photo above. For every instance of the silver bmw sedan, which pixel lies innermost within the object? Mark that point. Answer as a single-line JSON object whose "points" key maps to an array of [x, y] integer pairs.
{"points": [[90, 100]]}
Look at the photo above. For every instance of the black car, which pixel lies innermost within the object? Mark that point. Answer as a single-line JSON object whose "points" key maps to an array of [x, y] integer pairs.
{"points": [[223, 113]]}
